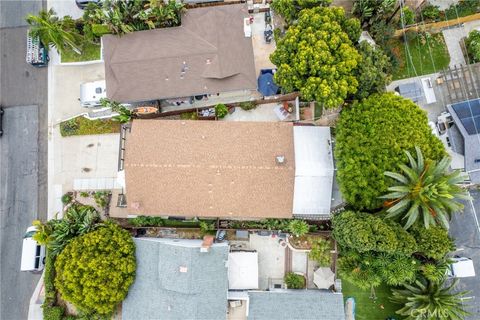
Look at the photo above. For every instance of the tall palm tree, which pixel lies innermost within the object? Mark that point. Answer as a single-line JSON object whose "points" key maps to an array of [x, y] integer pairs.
{"points": [[52, 31], [426, 191], [427, 300]]}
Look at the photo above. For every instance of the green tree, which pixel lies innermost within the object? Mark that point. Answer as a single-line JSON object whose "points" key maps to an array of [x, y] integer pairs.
{"points": [[430, 300], [425, 191], [473, 45], [321, 252], [298, 227], [124, 114], [289, 9], [53, 31], [294, 281], [434, 242], [95, 270], [407, 16], [221, 110], [374, 73], [370, 138], [317, 57], [373, 11]]}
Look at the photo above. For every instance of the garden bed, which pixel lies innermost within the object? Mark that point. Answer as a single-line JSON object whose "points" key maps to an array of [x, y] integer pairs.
{"points": [[304, 242], [417, 60], [89, 52], [82, 126]]}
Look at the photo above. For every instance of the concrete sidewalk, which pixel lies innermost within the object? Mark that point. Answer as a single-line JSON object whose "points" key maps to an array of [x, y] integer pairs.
{"points": [[452, 40]]}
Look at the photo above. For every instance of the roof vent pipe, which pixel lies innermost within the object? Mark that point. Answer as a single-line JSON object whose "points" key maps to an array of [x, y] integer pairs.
{"points": [[280, 159]]}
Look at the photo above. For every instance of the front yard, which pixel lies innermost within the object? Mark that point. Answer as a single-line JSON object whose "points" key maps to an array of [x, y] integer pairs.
{"points": [[83, 126], [89, 52], [415, 60], [367, 308]]}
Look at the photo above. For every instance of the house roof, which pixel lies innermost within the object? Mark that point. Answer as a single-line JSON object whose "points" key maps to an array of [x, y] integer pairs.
{"points": [[210, 168], [295, 305], [174, 280], [313, 171], [466, 115], [208, 53]]}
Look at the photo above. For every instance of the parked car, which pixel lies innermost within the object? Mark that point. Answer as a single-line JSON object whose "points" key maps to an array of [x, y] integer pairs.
{"points": [[82, 4], [33, 254], [1, 121], [91, 93]]}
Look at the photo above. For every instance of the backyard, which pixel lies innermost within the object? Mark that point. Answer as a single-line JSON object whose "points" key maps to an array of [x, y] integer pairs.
{"points": [[89, 52], [415, 59], [367, 308]]}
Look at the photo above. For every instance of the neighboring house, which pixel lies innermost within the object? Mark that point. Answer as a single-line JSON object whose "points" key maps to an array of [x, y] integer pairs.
{"points": [[466, 116], [175, 280], [227, 169], [209, 53]]}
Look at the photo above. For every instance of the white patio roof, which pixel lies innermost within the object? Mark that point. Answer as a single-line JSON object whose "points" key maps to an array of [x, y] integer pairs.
{"points": [[242, 270], [313, 170]]}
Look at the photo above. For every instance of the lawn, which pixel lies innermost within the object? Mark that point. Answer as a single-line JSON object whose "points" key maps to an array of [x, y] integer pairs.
{"points": [[82, 126], [90, 51], [369, 309], [420, 56]]}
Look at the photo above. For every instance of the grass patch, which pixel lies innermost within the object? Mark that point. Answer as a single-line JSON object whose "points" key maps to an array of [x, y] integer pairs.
{"points": [[369, 309], [82, 126], [90, 52], [420, 56]]}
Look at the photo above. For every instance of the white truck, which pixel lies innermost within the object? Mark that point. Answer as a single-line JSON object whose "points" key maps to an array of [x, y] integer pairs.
{"points": [[91, 93], [33, 254]]}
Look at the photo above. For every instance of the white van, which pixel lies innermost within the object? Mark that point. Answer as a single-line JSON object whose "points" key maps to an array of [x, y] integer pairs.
{"points": [[91, 93], [33, 254]]}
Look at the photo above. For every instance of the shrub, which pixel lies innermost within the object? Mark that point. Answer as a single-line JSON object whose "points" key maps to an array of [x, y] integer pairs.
{"points": [[433, 242], [189, 116], [247, 105], [69, 127], [298, 227], [102, 198], [67, 198], [207, 227], [100, 29], [84, 194], [48, 280], [53, 312], [95, 270], [320, 252], [221, 110], [294, 281], [143, 221], [473, 45], [371, 137], [408, 16], [431, 12]]}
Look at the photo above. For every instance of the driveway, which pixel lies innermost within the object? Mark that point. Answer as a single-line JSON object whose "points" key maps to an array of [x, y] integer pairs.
{"points": [[465, 229], [18, 206], [452, 40]]}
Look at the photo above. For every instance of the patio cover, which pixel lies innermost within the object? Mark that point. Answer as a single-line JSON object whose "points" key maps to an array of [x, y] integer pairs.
{"points": [[242, 270], [323, 278]]}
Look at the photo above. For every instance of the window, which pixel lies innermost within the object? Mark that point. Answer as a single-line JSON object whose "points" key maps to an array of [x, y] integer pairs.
{"points": [[37, 262]]}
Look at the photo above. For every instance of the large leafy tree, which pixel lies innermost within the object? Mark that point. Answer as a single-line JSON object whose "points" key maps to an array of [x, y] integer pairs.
{"points": [[289, 9], [430, 300], [95, 270], [317, 57], [53, 31], [425, 191], [373, 74], [371, 137], [372, 11]]}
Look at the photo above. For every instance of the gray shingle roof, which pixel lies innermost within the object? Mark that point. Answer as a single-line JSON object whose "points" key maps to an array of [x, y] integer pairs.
{"points": [[161, 291], [295, 305]]}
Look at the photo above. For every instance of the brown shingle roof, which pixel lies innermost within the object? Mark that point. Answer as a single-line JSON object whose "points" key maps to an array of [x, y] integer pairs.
{"points": [[211, 41], [210, 168]]}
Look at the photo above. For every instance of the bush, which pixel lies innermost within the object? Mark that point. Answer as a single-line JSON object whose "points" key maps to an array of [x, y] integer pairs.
{"points": [[298, 227], [48, 280], [143, 221], [247, 105], [95, 270], [431, 12], [67, 198], [434, 242], [53, 312], [294, 281], [100, 29], [408, 16], [221, 110], [371, 137], [473, 45], [102, 198], [320, 252], [207, 227], [84, 194]]}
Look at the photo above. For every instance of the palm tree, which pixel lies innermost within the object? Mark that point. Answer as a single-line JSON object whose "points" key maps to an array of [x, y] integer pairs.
{"points": [[427, 191], [427, 300], [298, 227], [52, 31]]}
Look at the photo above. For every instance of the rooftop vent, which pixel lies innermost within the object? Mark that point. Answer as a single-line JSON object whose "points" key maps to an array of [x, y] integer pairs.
{"points": [[183, 269], [280, 159]]}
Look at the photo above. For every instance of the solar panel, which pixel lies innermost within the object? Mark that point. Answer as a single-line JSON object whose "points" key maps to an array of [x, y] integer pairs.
{"points": [[469, 114]]}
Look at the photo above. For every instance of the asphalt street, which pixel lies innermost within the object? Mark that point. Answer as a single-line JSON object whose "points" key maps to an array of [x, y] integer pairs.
{"points": [[465, 229], [23, 155]]}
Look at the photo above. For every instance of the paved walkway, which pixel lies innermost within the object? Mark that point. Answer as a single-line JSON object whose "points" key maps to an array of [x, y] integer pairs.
{"points": [[452, 40]]}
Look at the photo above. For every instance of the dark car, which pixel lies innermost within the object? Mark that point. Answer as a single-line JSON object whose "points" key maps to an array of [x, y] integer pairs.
{"points": [[82, 4], [1, 120]]}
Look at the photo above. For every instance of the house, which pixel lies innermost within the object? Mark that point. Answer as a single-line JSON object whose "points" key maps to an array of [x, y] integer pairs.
{"points": [[209, 53], [176, 280], [466, 116], [227, 169]]}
